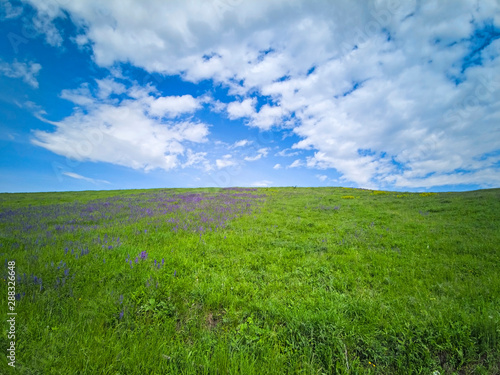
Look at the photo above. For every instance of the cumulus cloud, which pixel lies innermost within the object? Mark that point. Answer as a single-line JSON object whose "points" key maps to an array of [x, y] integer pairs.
{"points": [[265, 118], [26, 71], [321, 177], [225, 161], [124, 131], [246, 108], [173, 106], [277, 166], [384, 92]]}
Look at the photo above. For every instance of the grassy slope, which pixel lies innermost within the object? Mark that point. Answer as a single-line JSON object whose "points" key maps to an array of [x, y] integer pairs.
{"points": [[310, 282]]}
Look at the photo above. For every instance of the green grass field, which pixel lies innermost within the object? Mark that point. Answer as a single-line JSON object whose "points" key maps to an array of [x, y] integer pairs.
{"points": [[252, 281]]}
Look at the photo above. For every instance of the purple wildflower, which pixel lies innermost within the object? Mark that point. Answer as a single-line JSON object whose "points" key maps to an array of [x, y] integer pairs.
{"points": [[121, 314], [136, 260]]}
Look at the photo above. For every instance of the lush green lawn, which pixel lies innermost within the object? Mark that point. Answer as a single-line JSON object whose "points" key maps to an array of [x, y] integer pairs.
{"points": [[264, 281]]}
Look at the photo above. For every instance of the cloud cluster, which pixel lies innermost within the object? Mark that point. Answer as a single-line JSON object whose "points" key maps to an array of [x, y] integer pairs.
{"points": [[7, 10], [26, 71], [388, 93], [226, 161], [133, 127]]}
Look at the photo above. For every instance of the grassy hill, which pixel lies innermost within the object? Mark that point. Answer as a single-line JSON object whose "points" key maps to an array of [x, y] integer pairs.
{"points": [[252, 281]]}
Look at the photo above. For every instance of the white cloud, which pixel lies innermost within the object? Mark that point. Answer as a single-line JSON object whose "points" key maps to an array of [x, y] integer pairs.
{"points": [[34, 108], [267, 117], [26, 71], [242, 143], [217, 106], [297, 163], [7, 10], [476, 178], [246, 108], [262, 152], [379, 91], [263, 183], [287, 152], [88, 179], [43, 21], [81, 40], [322, 178], [80, 96], [173, 106], [108, 86], [277, 166], [225, 162], [120, 131], [253, 158], [198, 160]]}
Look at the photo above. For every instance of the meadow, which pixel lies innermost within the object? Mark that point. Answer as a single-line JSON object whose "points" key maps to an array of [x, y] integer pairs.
{"points": [[252, 281]]}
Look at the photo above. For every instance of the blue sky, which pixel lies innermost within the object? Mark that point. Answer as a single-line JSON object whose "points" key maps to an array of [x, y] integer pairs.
{"points": [[394, 95]]}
